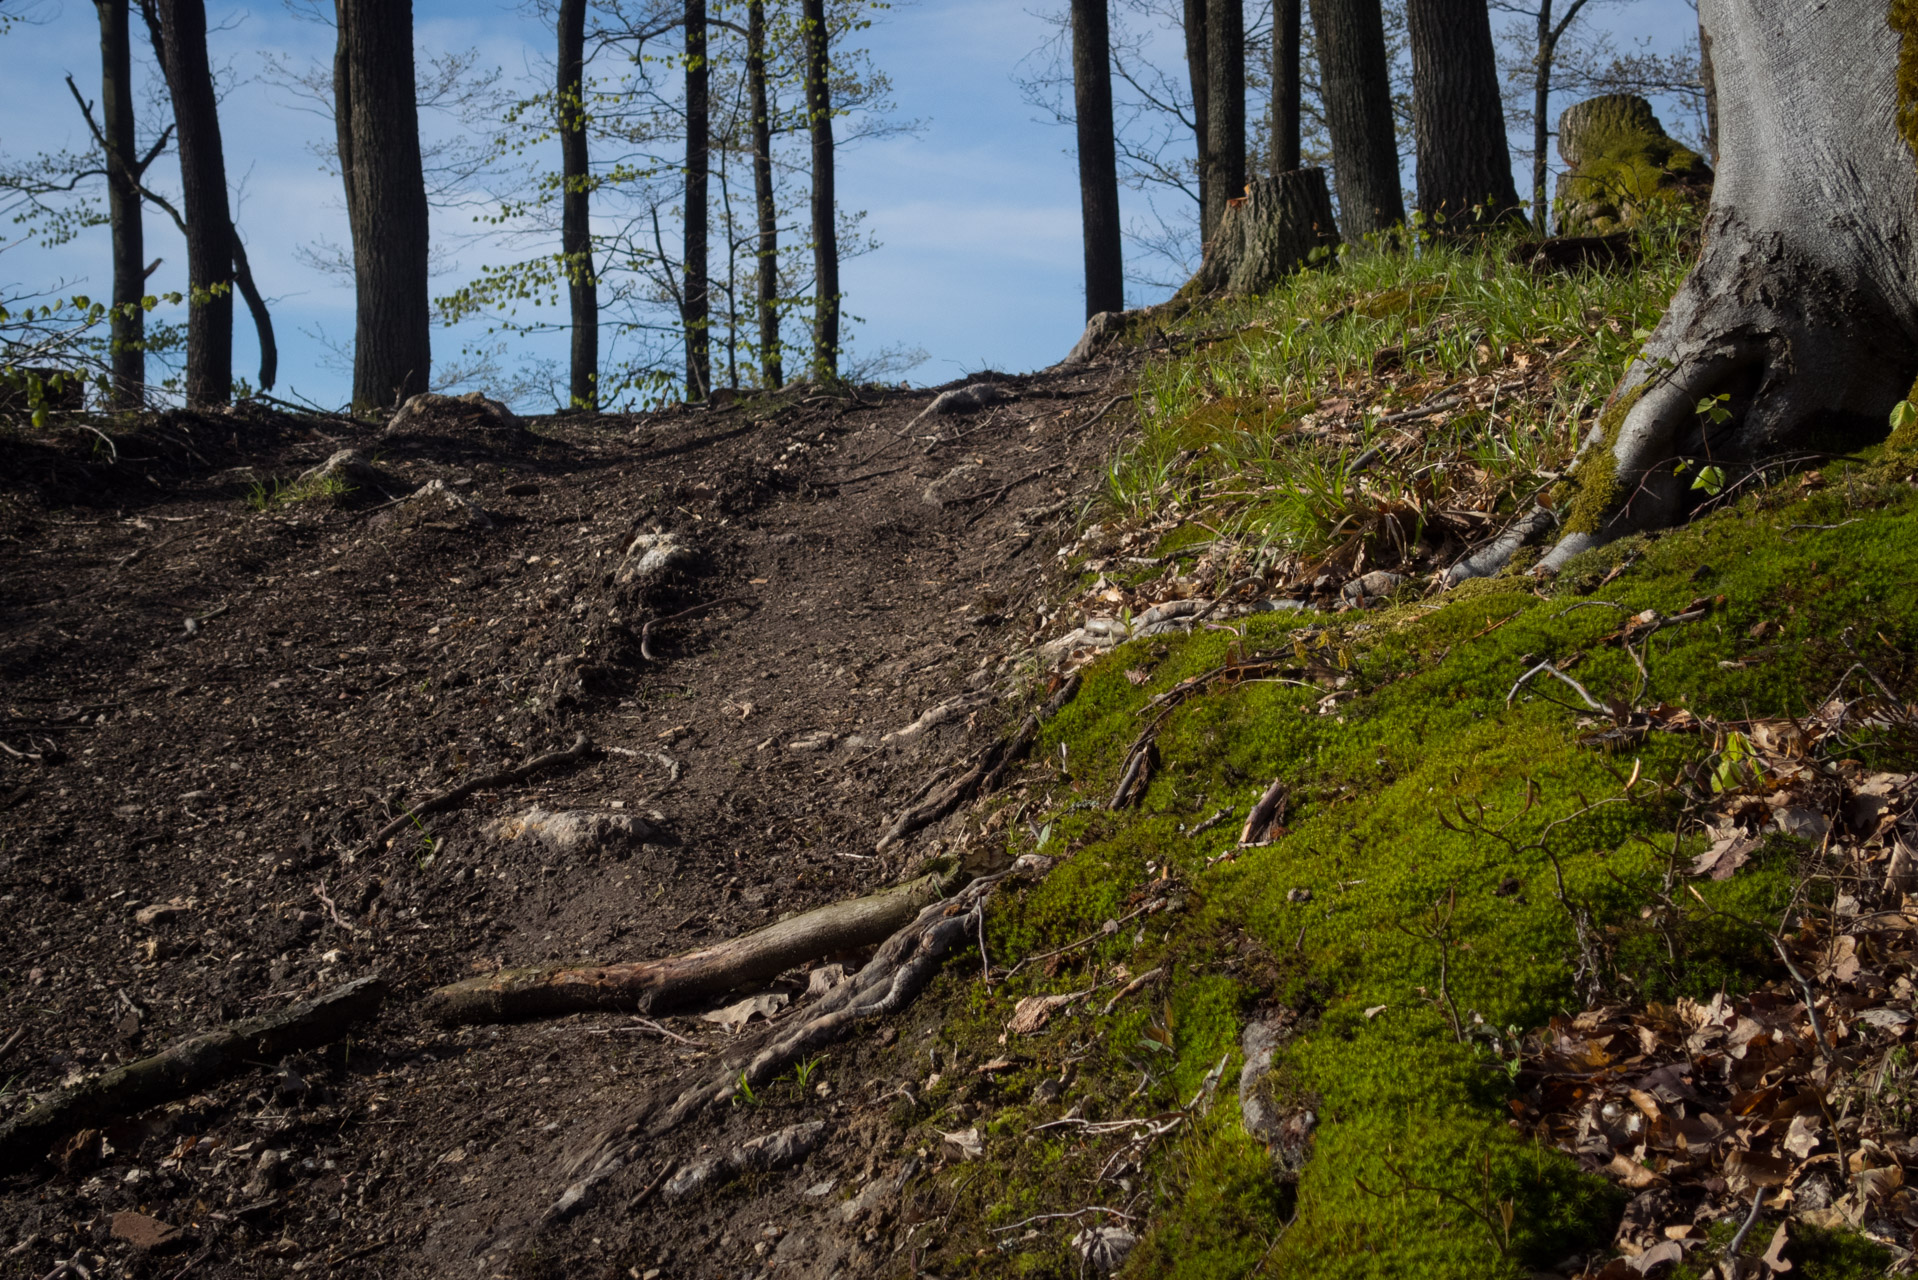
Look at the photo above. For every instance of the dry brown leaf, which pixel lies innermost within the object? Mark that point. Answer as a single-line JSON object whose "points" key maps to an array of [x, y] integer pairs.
{"points": [[1804, 1135], [1633, 1174], [1755, 1169], [1031, 1014]]}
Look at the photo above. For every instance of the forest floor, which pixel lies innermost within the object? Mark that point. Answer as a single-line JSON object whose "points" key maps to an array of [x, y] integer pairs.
{"points": [[217, 682]]}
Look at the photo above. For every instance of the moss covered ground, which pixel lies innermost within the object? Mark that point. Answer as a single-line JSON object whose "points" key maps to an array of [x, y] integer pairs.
{"points": [[1413, 920]]}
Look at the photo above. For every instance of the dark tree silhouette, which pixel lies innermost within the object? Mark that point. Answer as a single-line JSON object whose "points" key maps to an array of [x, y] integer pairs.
{"points": [[1358, 114], [1197, 78], [825, 231], [376, 116], [1286, 128], [180, 28], [1098, 157], [576, 231], [127, 334], [1456, 113], [1225, 109], [695, 291], [765, 207]]}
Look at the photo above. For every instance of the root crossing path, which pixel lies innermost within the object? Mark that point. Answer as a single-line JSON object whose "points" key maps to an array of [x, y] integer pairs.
{"points": [[699, 663]]}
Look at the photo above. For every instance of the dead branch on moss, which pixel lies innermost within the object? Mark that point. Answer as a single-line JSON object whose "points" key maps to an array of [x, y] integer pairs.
{"points": [[547, 991], [582, 747], [1267, 818], [188, 1067], [890, 980], [985, 776]]}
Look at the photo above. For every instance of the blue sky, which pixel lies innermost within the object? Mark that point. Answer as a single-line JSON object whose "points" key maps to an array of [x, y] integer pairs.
{"points": [[977, 214]]}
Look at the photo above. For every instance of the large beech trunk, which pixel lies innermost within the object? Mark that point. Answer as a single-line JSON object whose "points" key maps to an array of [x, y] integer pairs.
{"points": [[1801, 311], [1285, 86], [1358, 114]]}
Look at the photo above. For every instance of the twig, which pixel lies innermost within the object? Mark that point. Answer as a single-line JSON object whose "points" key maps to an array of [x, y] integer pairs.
{"points": [[1047, 1217], [647, 1191], [1547, 667], [646, 632], [1269, 812], [581, 747], [13, 1042], [1129, 988], [1106, 930], [319, 891], [872, 475], [1103, 410], [1003, 490], [1738, 1241]]}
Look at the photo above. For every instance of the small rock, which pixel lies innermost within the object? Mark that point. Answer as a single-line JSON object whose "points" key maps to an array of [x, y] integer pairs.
{"points": [[346, 470], [1104, 1248], [471, 406], [651, 556], [438, 498], [266, 1174], [820, 1190], [158, 913], [148, 1235], [1362, 590], [817, 740], [954, 484], [781, 1149]]}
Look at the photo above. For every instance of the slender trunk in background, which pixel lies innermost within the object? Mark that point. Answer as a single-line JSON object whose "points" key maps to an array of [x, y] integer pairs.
{"points": [[1358, 114], [1098, 157], [1195, 68], [697, 314], [765, 207], [127, 331], [209, 223], [1285, 86], [1456, 113], [825, 232], [1549, 34], [376, 114], [576, 228], [1225, 108]]}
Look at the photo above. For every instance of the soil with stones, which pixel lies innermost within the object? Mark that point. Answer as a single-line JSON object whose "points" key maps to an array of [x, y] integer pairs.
{"points": [[220, 676]]}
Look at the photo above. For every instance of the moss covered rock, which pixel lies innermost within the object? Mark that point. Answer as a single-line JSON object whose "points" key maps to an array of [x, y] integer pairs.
{"points": [[1621, 166]]}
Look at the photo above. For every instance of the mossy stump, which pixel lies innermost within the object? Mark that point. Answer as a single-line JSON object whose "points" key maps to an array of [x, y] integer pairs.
{"points": [[1621, 166]]}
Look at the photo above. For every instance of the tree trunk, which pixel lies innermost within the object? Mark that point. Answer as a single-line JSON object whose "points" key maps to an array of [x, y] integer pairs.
{"points": [[1286, 129], [771, 364], [1463, 162], [127, 328], [576, 227], [1277, 228], [696, 317], [825, 231], [1545, 55], [1195, 69], [1225, 107], [1358, 114], [1801, 310], [1098, 157], [376, 116], [1711, 91], [209, 224]]}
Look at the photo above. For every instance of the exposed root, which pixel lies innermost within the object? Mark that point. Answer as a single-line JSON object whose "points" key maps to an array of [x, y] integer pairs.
{"points": [[582, 746]]}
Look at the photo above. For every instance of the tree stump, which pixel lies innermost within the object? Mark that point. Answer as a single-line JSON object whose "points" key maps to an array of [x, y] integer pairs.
{"points": [[1279, 225], [1621, 166]]}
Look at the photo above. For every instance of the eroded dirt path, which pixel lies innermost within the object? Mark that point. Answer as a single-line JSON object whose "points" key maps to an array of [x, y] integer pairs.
{"points": [[213, 705]]}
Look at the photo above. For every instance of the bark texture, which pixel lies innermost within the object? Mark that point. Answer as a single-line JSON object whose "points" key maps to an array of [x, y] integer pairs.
{"points": [[1358, 114], [376, 117], [127, 331], [1456, 112], [1802, 309], [203, 200], [1225, 107], [1270, 232], [825, 228], [1286, 129], [696, 296], [772, 371], [1098, 157], [576, 231]]}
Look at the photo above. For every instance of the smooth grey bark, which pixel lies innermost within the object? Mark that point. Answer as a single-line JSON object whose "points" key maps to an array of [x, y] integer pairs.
{"points": [[180, 26], [1286, 128], [1225, 106], [825, 229], [576, 231], [376, 124], [1803, 308], [1358, 114], [765, 207], [1098, 157], [1457, 116]]}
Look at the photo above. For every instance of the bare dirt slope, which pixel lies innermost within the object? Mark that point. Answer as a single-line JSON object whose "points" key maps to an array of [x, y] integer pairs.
{"points": [[208, 704]]}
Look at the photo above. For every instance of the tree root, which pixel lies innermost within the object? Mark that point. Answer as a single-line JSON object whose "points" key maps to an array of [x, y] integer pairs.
{"points": [[582, 746], [889, 981], [553, 990], [985, 775], [188, 1067]]}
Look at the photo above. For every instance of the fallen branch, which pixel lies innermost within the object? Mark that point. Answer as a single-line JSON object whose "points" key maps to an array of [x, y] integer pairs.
{"points": [[889, 981], [188, 1067], [1266, 816], [646, 631], [553, 990], [581, 747]]}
